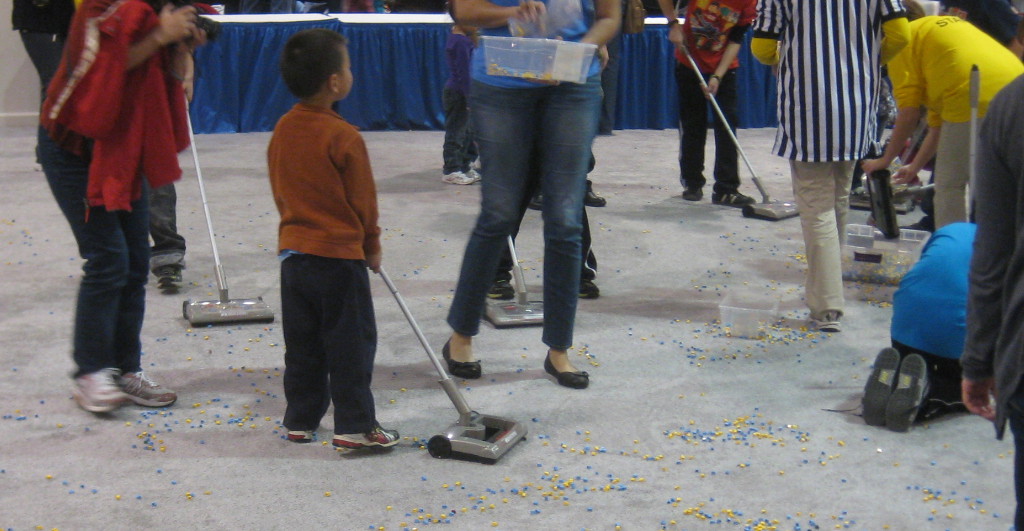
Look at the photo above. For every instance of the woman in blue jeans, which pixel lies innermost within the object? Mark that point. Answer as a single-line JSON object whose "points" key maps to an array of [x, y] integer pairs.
{"points": [[511, 116], [112, 124]]}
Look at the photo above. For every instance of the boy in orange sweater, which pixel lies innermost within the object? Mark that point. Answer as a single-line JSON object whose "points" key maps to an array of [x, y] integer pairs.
{"points": [[328, 236]]}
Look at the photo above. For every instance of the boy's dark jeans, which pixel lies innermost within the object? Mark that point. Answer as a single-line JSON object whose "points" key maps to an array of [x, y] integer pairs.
{"points": [[330, 336], [693, 123], [115, 246], [168, 246], [459, 148]]}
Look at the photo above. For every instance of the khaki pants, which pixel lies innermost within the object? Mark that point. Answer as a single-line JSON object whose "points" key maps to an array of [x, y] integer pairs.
{"points": [[822, 191], [952, 171]]}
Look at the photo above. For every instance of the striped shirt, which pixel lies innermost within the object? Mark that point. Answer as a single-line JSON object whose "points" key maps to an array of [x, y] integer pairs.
{"points": [[829, 74]]}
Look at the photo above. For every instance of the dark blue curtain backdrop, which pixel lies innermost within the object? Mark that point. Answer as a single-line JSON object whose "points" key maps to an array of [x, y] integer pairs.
{"points": [[399, 72]]}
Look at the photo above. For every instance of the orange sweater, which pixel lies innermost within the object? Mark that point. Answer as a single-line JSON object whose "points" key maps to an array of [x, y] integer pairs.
{"points": [[323, 186]]}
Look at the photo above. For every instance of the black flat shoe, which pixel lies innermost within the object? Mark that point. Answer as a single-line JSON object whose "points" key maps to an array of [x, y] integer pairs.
{"points": [[575, 380], [469, 370]]}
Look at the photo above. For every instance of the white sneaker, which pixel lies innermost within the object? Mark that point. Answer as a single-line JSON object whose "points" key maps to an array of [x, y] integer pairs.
{"points": [[145, 392], [457, 177], [98, 392], [473, 174], [829, 322]]}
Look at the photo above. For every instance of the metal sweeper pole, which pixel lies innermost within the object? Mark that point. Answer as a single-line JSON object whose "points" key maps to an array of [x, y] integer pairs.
{"points": [[474, 437], [766, 209], [224, 309], [520, 311]]}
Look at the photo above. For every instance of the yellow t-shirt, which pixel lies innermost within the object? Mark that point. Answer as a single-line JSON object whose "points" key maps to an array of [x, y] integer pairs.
{"points": [[934, 69]]}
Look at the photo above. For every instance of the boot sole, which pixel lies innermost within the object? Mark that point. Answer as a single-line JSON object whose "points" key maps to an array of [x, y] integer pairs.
{"points": [[906, 399], [879, 386]]}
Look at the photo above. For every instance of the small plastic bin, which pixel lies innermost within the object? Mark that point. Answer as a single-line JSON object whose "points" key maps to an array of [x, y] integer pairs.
{"points": [[748, 313], [869, 257], [546, 59]]}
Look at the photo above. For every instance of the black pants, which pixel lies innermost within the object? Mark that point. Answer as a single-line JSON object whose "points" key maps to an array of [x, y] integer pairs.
{"points": [[944, 375], [693, 132], [588, 270], [330, 336], [459, 150]]}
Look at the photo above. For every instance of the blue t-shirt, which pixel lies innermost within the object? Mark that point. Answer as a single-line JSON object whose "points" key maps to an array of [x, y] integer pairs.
{"points": [[929, 310], [572, 32]]}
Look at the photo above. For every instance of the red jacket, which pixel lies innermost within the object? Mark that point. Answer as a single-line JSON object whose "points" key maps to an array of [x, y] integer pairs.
{"points": [[135, 118]]}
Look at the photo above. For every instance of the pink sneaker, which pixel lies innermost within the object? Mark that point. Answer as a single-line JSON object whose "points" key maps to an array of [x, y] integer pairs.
{"points": [[98, 392], [145, 392]]}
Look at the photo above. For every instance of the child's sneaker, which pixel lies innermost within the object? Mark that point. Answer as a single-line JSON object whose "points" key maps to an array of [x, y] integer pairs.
{"points": [[98, 392], [145, 392], [457, 177], [168, 276], [300, 436], [501, 290], [355, 441]]}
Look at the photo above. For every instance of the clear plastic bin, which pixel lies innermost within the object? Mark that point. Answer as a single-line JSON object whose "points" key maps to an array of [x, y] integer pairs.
{"points": [[747, 313], [545, 59], [869, 257]]}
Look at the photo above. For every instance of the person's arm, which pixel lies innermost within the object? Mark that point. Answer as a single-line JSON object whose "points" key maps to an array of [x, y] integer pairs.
{"points": [[896, 37], [925, 153], [996, 187], [675, 29], [176, 24], [484, 14], [728, 56], [906, 121], [607, 20]]}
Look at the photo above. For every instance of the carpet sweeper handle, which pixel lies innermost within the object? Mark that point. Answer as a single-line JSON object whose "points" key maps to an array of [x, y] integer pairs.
{"points": [[975, 85], [222, 283], [718, 110], [517, 272], [446, 381]]}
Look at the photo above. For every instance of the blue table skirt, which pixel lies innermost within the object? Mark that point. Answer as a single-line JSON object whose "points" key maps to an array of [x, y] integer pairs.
{"points": [[399, 72]]}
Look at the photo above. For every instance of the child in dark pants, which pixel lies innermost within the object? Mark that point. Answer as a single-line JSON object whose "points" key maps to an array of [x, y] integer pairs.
{"points": [[328, 236], [459, 150]]}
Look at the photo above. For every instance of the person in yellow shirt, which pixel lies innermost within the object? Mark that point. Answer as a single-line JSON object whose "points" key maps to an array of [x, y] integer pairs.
{"points": [[933, 72]]}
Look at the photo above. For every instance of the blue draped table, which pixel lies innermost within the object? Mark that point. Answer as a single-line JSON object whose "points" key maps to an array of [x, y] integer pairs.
{"points": [[399, 69]]}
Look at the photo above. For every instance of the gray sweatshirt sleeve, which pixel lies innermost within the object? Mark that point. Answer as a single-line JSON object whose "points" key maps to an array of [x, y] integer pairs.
{"points": [[996, 209]]}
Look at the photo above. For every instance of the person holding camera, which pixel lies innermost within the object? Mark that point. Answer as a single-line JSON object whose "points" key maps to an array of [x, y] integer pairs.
{"points": [[112, 124]]}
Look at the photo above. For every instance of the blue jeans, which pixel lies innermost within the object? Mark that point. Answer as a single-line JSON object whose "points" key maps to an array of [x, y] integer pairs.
{"points": [[115, 246], [556, 124], [44, 49]]}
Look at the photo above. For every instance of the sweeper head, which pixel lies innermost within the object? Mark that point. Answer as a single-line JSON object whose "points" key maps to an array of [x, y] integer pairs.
{"points": [[520, 311], [474, 436], [224, 309]]}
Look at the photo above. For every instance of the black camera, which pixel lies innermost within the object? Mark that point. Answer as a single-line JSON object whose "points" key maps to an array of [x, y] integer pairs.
{"points": [[211, 27]]}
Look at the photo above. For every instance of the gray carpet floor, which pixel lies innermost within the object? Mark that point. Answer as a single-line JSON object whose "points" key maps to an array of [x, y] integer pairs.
{"points": [[683, 427]]}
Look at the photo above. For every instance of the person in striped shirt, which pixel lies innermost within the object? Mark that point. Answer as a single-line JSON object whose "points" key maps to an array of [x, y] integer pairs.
{"points": [[829, 57]]}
